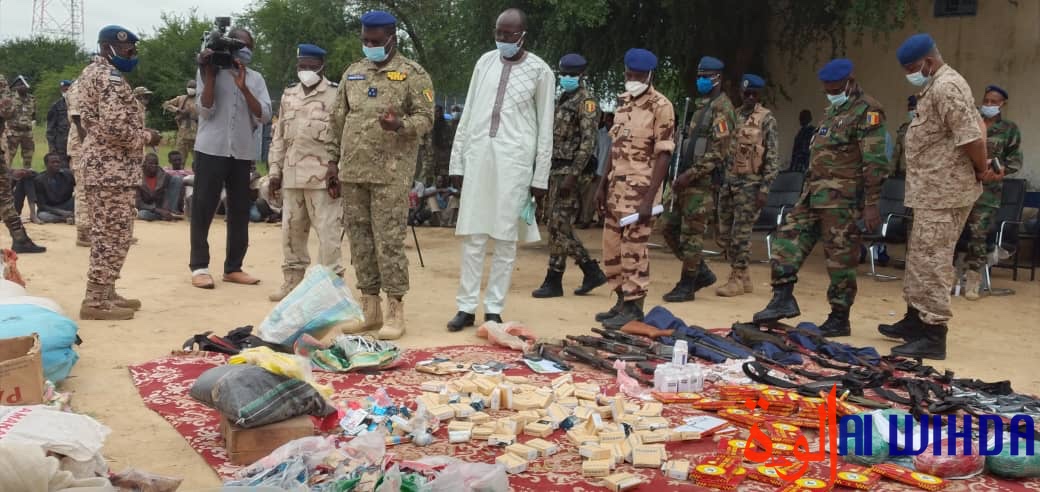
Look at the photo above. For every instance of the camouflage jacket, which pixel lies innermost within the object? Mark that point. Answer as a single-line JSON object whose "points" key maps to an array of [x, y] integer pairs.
{"points": [[23, 113], [899, 151], [299, 143], [111, 151], [770, 160], [574, 132], [186, 115], [6, 106], [1003, 141], [847, 160], [709, 139], [643, 128]]}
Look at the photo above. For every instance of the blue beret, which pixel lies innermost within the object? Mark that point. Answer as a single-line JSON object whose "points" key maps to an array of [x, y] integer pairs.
{"points": [[710, 63], [912, 101], [114, 33], [65, 83], [378, 18], [836, 69], [914, 48], [752, 81], [573, 61], [309, 51], [640, 60], [997, 89]]}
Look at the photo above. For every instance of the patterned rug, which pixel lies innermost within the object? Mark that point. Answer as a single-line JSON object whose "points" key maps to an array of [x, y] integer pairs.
{"points": [[164, 384]]}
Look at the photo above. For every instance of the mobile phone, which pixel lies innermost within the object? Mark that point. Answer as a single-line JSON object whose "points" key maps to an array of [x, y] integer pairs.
{"points": [[994, 164]]}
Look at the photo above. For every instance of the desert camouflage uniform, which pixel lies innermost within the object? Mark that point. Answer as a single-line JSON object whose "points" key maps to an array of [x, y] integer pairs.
{"points": [[7, 211], [111, 161], [187, 118], [847, 164], [644, 127], [376, 166], [79, 195], [738, 209], [20, 126], [574, 141], [299, 156], [1002, 141], [899, 151], [708, 146]]}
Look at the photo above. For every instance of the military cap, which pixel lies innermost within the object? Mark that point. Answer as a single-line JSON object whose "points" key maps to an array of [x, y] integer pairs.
{"points": [[752, 81], [305, 50], [836, 69], [378, 18], [114, 34], [911, 101], [640, 60], [914, 48], [141, 91], [64, 83], [997, 89], [710, 63], [573, 61]]}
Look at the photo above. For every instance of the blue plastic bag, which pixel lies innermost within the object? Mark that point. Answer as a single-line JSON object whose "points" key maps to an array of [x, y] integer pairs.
{"points": [[57, 336], [321, 300]]}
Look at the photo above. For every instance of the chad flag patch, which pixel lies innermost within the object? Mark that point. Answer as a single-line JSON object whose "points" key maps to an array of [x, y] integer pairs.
{"points": [[873, 118], [590, 106], [428, 93], [721, 127]]}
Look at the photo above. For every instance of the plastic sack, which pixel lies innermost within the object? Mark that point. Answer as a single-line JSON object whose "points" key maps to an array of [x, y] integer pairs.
{"points": [[510, 334], [1007, 465], [390, 481], [461, 476], [369, 447], [314, 450], [57, 336], [141, 481], [320, 301], [287, 365], [25, 467], [956, 466], [250, 396], [289, 475], [9, 267], [627, 384], [76, 436], [879, 447]]}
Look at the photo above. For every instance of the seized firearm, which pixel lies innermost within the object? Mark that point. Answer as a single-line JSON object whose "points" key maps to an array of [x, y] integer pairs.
{"points": [[679, 142], [591, 357], [623, 351], [550, 352]]}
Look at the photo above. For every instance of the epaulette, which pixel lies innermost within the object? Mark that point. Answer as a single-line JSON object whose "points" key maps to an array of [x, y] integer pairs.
{"points": [[333, 84]]}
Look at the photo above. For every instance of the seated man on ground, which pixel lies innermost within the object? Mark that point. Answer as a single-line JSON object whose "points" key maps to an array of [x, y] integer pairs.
{"points": [[443, 202], [158, 193], [176, 160], [54, 191]]}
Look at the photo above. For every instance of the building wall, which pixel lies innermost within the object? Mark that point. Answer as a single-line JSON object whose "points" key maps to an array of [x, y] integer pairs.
{"points": [[1000, 45]]}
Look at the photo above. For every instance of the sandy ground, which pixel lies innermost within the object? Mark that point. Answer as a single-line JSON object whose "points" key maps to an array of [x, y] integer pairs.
{"points": [[991, 339]]}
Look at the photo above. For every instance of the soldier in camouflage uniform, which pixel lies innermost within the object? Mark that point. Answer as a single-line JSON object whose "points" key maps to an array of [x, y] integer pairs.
{"points": [[82, 213], [20, 123], [1003, 140], [383, 108], [847, 164], [574, 141], [21, 241], [756, 163], [708, 146], [643, 142], [298, 163], [186, 115], [899, 152], [111, 160]]}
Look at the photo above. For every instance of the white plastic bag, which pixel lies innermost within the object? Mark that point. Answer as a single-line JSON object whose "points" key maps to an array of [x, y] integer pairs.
{"points": [[313, 449], [76, 436], [461, 476], [321, 300]]}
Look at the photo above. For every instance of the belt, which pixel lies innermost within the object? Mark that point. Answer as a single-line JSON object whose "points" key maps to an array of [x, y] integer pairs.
{"points": [[561, 163]]}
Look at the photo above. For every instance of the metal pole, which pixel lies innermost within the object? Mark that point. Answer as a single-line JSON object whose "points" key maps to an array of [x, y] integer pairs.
{"points": [[417, 248]]}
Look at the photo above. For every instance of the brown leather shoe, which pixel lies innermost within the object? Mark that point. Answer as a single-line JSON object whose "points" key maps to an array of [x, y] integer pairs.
{"points": [[241, 278], [202, 281]]}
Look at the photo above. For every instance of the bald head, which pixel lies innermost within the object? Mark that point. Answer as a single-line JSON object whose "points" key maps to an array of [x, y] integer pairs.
{"points": [[512, 18]]}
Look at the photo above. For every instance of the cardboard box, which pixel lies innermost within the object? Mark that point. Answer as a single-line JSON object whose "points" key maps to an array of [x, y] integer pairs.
{"points": [[584, 394], [459, 436], [460, 425], [541, 428], [619, 482], [595, 468], [594, 452], [479, 418], [522, 450], [583, 413], [21, 371], [443, 412], [501, 439], [483, 432], [649, 437], [245, 446], [611, 437], [462, 410], [507, 425], [562, 380], [646, 457], [526, 417], [513, 463], [651, 409], [581, 438], [433, 386], [564, 391], [570, 402], [545, 448], [677, 469]]}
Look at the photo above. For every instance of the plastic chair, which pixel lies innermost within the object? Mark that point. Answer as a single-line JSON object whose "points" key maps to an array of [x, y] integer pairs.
{"points": [[1005, 229], [894, 219]]}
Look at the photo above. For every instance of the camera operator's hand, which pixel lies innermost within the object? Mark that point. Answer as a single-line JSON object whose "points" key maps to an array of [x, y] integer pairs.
{"points": [[154, 137], [240, 77], [205, 61]]}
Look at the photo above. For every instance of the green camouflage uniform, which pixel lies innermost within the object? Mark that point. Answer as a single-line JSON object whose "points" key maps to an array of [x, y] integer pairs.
{"points": [[7, 211], [19, 128], [847, 164], [898, 154], [1003, 140], [708, 145], [738, 209], [574, 141]]}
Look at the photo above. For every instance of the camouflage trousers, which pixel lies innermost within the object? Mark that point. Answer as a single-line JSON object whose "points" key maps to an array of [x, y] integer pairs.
{"points": [[841, 237], [186, 146], [626, 258], [737, 215], [302, 210], [929, 261], [376, 216], [80, 208], [683, 227], [112, 212], [7, 211], [562, 211], [587, 186], [23, 140], [979, 221]]}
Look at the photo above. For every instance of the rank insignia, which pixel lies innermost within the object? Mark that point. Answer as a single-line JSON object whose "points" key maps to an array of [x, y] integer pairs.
{"points": [[373, 92], [428, 93], [823, 131], [396, 76], [873, 118], [590, 106], [356, 76]]}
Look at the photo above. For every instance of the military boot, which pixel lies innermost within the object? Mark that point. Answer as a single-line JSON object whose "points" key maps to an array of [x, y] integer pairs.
{"points": [[614, 310], [782, 305], [630, 311], [371, 307], [909, 328], [593, 277], [552, 286], [971, 285], [930, 345], [292, 279], [123, 302], [745, 281], [82, 236], [733, 287], [837, 324], [684, 289], [704, 277], [21, 243], [97, 305], [394, 326]]}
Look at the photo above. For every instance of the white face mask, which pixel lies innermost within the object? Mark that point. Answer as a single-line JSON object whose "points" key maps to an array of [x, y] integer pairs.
{"points": [[918, 78], [637, 87], [989, 111], [309, 78], [191, 91]]}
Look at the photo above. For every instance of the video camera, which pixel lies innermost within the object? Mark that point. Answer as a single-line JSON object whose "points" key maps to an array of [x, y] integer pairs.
{"points": [[222, 45]]}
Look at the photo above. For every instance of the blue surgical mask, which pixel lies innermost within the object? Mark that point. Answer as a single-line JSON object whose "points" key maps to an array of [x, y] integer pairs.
{"points": [[244, 55], [910, 115], [125, 65], [704, 85], [509, 50], [840, 98], [376, 54], [917, 78], [989, 111], [569, 83]]}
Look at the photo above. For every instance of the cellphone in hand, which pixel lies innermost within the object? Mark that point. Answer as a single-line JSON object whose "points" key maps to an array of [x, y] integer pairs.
{"points": [[994, 164]]}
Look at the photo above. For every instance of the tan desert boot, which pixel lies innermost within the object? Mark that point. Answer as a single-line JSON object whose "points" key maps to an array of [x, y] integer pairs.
{"points": [[98, 306], [394, 326], [733, 287], [971, 285], [371, 307], [123, 302], [292, 279], [745, 278]]}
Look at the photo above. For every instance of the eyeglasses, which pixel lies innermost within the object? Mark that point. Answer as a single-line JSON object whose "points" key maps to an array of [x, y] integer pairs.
{"points": [[507, 36]]}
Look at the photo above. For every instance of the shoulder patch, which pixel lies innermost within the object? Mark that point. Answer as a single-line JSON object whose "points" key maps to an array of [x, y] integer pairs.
{"points": [[356, 76], [428, 93], [873, 118], [396, 76], [721, 127], [590, 106]]}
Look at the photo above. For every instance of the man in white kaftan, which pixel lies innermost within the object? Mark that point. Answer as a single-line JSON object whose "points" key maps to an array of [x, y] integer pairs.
{"points": [[503, 151]]}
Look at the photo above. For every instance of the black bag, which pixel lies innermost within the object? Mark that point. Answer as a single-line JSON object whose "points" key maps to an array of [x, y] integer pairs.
{"points": [[251, 396]]}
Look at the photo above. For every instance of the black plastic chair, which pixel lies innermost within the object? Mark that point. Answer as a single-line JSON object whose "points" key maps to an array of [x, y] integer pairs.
{"points": [[783, 195], [1005, 230], [894, 220]]}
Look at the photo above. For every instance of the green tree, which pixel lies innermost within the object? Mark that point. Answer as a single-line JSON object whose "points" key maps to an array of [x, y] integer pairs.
{"points": [[167, 61], [48, 90]]}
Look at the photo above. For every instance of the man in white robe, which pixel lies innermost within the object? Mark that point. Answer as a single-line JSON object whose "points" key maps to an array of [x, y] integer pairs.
{"points": [[503, 150]]}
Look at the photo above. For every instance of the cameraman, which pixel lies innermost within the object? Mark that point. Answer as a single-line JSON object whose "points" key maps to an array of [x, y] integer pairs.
{"points": [[233, 105]]}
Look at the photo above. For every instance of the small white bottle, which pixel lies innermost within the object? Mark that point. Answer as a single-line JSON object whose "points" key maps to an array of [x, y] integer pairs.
{"points": [[695, 378], [680, 353]]}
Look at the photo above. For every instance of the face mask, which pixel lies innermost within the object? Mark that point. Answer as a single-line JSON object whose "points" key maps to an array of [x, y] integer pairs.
{"points": [[839, 99], [376, 54], [309, 78], [989, 111], [636, 87], [917, 78], [910, 114], [191, 91], [244, 55], [456, 115], [509, 50], [448, 116], [704, 85], [569, 83], [124, 65]]}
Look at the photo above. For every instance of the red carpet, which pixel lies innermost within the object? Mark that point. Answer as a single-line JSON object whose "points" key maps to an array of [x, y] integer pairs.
{"points": [[164, 385]]}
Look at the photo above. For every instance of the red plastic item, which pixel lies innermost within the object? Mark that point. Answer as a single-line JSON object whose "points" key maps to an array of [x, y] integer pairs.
{"points": [[958, 465]]}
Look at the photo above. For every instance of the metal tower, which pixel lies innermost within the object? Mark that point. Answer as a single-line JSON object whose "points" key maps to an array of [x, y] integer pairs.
{"points": [[58, 18]]}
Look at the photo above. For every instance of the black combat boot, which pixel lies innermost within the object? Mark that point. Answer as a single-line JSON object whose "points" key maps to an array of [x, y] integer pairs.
{"points": [[684, 289], [837, 324], [22, 243], [552, 286], [782, 305], [614, 310], [931, 344], [630, 311], [461, 320], [593, 277], [705, 277], [909, 328]]}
